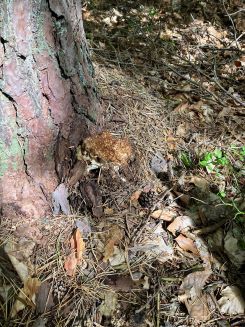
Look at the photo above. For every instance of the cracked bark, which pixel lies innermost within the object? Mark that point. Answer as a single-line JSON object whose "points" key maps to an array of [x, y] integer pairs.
{"points": [[48, 99]]}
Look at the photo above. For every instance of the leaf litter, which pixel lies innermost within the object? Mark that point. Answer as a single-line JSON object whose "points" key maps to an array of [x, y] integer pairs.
{"points": [[118, 252]]}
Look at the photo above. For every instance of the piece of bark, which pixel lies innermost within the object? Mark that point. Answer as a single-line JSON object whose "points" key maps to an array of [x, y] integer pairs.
{"points": [[44, 300], [77, 172], [93, 198]]}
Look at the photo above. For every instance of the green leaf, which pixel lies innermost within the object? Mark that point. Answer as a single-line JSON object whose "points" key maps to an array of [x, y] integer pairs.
{"points": [[218, 153], [222, 194], [223, 161], [210, 167], [242, 152], [208, 157], [203, 163], [185, 158]]}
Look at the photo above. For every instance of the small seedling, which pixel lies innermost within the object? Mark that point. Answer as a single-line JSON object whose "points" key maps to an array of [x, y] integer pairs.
{"points": [[222, 194], [185, 159], [238, 151], [213, 161]]}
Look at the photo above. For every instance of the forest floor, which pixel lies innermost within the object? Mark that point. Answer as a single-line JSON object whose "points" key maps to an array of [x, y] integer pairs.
{"points": [[168, 248]]}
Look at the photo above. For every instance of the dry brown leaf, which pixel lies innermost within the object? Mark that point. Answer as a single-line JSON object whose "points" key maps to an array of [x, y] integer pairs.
{"points": [[93, 197], [70, 264], [200, 183], [134, 198], [181, 108], [183, 198], [77, 244], [78, 249], [155, 244], [109, 250], [164, 214], [19, 253], [172, 142], [27, 296], [180, 223], [198, 309], [231, 302], [108, 211], [114, 237], [182, 129], [196, 302], [186, 244]]}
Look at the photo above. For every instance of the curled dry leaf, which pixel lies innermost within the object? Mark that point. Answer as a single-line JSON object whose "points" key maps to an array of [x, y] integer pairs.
{"points": [[70, 264], [60, 200], [200, 183], [134, 198], [108, 211], [195, 301], [75, 257], [186, 244], [19, 253], [180, 224], [164, 214], [114, 237], [27, 296], [78, 244], [155, 244], [159, 164], [117, 258], [231, 302]]}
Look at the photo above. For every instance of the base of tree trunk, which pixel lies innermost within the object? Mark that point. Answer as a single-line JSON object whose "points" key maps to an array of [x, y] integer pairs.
{"points": [[48, 100]]}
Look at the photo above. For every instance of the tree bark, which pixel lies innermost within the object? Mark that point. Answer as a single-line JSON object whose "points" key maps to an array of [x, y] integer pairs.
{"points": [[48, 99]]}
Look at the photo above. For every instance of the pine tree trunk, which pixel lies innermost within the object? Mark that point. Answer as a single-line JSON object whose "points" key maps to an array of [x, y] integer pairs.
{"points": [[48, 99]]}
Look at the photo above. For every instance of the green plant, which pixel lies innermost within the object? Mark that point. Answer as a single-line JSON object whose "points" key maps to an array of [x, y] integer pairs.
{"points": [[222, 194], [238, 151], [213, 161], [185, 159]]}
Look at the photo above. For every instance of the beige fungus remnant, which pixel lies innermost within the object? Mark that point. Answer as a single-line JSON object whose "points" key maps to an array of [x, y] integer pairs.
{"points": [[108, 148]]}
